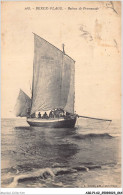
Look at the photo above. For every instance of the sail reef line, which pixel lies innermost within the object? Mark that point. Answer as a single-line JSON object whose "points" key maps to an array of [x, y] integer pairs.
{"points": [[52, 79]]}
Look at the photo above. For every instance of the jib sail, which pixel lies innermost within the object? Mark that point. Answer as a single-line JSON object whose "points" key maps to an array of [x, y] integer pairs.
{"points": [[23, 104]]}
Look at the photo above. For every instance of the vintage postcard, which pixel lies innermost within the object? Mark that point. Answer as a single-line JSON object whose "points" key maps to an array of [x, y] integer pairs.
{"points": [[61, 94]]}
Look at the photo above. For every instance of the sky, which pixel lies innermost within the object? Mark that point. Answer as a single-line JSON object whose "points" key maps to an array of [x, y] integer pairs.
{"points": [[91, 32]]}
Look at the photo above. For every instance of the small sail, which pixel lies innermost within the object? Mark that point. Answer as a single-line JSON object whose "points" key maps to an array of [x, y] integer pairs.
{"points": [[23, 104], [71, 94], [51, 76]]}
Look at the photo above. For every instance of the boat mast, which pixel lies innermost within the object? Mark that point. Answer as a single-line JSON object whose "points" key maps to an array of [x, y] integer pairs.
{"points": [[62, 72]]}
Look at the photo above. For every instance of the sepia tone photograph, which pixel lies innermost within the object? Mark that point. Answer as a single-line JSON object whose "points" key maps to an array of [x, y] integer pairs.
{"points": [[61, 94]]}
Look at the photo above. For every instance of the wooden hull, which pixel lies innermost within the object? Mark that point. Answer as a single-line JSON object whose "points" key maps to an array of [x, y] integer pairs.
{"points": [[52, 123]]}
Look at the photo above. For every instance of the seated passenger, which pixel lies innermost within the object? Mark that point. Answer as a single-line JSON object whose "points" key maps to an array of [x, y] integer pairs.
{"points": [[67, 113], [33, 115], [45, 115], [39, 115], [51, 114], [56, 113]]}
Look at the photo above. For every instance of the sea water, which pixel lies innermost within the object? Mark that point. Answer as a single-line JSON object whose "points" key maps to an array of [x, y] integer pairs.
{"points": [[88, 155]]}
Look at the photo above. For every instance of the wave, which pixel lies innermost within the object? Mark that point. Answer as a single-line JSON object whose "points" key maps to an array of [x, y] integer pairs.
{"points": [[23, 128], [93, 135], [47, 173], [11, 170], [32, 176]]}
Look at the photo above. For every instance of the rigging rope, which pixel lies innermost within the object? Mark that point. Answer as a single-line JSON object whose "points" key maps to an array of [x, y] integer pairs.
{"points": [[96, 119]]}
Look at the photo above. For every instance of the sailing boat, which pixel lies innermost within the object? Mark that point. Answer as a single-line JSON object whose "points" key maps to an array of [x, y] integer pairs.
{"points": [[52, 88]]}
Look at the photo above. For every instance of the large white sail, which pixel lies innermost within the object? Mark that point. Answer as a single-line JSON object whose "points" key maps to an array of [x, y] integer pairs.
{"points": [[51, 77], [23, 104]]}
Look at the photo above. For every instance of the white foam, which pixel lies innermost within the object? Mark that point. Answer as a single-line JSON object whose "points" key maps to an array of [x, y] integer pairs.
{"points": [[37, 173]]}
